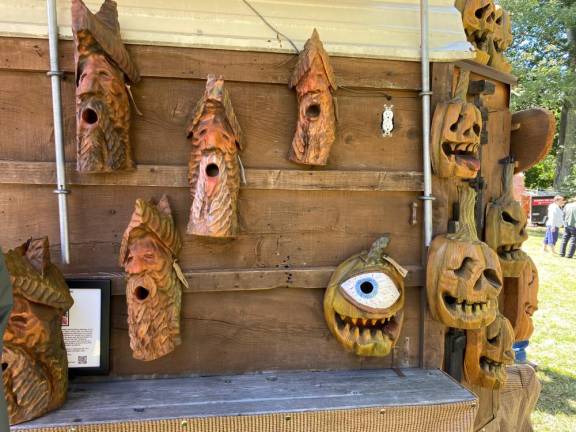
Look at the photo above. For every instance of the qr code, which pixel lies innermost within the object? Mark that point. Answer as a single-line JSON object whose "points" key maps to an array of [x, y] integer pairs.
{"points": [[82, 359]]}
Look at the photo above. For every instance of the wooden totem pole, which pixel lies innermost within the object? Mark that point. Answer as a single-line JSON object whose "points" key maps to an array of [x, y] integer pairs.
{"points": [[148, 253], [314, 80], [214, 168], [34, 361], [103, 72], [364, 301]]}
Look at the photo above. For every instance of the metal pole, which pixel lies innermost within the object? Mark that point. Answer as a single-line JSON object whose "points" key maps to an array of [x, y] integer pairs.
{"points": [[427, 196], [54, 73]]}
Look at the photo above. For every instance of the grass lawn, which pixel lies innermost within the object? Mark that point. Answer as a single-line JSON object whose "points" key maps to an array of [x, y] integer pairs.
{"points": [[553, 345]]}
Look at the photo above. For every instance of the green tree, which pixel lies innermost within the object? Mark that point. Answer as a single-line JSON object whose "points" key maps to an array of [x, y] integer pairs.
{"points": [[543, 56]]}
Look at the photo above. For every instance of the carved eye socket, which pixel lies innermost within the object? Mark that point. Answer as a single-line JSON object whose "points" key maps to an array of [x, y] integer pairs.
{"points": [[373, 290], [492, 278], [494, 340], [454, 126], [507, 217]]}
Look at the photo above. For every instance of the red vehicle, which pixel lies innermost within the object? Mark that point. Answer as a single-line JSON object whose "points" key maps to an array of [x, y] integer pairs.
{"points": [[539, 208]]}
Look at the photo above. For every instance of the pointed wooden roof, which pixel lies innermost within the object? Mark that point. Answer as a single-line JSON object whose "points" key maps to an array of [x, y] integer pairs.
{"points": [[313, 50]]}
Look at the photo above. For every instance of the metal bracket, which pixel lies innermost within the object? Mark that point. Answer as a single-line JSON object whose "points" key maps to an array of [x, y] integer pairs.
{"points": [[55, 73]]}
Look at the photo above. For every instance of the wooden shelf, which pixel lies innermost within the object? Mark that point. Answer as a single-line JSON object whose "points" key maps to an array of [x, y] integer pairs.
{"points": [[375, 396]]}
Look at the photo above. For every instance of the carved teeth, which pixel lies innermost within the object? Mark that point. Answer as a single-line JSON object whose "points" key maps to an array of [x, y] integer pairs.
{"points": [[484, 307], [354, 320], [374, 322], [366, 334], [356, 333], [364, 321], [468, 308], [379, 335], [346, 330]]}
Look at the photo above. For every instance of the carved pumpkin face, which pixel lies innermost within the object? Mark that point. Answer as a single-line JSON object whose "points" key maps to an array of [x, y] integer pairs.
{"points": [[501, 40], [506, 228], [455, 139], [521, 301], [364, 301], [488, 352], [479, 18]]}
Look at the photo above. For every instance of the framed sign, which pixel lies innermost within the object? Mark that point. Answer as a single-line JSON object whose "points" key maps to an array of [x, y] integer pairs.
{"points": [[86, 327]]}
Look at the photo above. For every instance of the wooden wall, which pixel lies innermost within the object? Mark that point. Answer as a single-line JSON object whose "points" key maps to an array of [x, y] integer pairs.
{"points": [[255, 302]]}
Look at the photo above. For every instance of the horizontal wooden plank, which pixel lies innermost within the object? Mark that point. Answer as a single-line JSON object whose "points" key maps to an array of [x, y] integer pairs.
{"points": [[488, 72], [249, 279], [195, 63], [267, 114], [258, 394], [44, 173]]}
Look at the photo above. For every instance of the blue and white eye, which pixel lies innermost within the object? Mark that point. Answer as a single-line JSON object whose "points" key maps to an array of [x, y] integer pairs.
{"points": [[375, 291]]}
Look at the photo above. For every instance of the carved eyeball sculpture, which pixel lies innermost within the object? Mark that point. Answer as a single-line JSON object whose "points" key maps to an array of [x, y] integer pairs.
{"points": [[34, 361], [521, 300], [364, 301], [506, 227], [314, 80], [148, 254], [488, 352], [479, 18], [501, 40], [103, 70], [463, 277], [455, 136], [214, 168]]}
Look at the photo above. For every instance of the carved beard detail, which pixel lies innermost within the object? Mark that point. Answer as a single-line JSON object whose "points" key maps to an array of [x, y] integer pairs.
{"points": [[217, 181], [102, 118], [154, 300]]}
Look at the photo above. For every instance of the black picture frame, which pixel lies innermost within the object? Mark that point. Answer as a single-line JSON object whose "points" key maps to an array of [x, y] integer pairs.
{"points": [[105, 287]]}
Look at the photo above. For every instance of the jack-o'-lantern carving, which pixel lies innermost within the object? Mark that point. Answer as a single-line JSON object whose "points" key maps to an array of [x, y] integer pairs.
{"points": [[479, 18], [463, 277], [214, 168], [488, 352], [500, 40], [364, 302], [455, 135], [103, 71], [314, 80], [521, 300], [148, 254], [506, 227], [34, 361]]}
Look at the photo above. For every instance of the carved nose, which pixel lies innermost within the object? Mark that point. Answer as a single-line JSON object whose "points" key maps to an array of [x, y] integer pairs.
{"points": [[89, 116]]}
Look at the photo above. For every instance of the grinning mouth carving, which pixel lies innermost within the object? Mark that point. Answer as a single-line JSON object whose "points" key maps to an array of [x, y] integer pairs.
{"points": [[491, 367], [464, 154], [511, 252], [366, 331], [465, 309]]}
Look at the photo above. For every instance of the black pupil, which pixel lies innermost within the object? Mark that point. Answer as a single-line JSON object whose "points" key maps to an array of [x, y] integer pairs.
{"points": [[366, 287]]}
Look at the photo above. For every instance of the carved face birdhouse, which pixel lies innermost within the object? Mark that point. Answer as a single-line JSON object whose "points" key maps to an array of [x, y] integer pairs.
{"points": [[34, 361], [314, 80], [364, 301], [463, 277], [521, 301], [214, 168], [103, 70], [478, 17], [488, 352], [506, 224], [455, 135], [155, 281]]}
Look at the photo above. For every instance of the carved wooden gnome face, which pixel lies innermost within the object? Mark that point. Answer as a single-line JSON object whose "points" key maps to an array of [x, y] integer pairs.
{"points": [[463, 277], [479, 19], [501, 40], [314, 80], [34, 361], [488, 352], [506, 227], [155, 281], [521, 301], [364, 301], [455, 137], [103, 69], [214, 168]]}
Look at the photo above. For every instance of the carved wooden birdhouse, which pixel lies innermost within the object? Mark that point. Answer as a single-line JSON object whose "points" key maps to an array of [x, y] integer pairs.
{"points": [[103, 71], [314, 81], [364, 302], [214, 168], [455, 135], [463, 277], [34, 361], [148, 254]]}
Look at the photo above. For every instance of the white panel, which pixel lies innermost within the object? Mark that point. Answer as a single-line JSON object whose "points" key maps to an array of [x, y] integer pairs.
{"points": [[358, 28]]}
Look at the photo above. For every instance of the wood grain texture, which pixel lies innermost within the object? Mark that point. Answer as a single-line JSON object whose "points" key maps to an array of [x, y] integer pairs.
{"points": [[193, 63], [533, 139], [44, 173]]}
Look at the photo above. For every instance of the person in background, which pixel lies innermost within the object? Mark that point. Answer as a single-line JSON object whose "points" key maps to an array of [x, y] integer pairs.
{"points": [[554, 222], [5, 309], [569, 230]]}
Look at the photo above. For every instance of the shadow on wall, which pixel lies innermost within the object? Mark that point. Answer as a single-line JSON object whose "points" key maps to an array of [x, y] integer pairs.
{"points": [[563, 398]]}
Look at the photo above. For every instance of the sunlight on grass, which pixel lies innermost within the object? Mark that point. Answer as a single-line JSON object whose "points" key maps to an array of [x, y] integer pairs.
{"points": [[553, 345]]}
